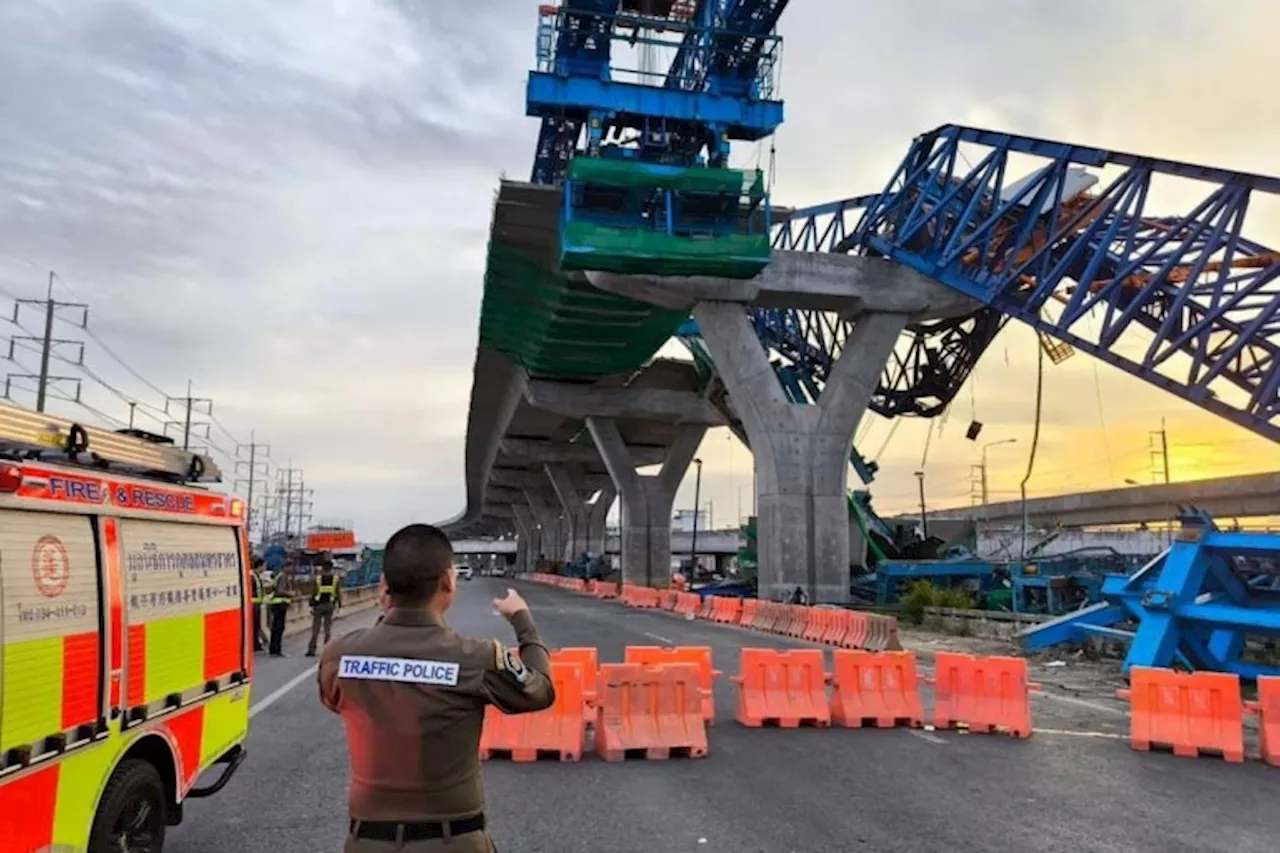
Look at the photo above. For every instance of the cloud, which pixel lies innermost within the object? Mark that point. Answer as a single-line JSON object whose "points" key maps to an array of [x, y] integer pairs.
{"points": [[287, 203]]}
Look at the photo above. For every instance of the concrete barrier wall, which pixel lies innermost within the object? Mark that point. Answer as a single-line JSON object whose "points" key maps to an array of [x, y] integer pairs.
{"points": [[355, 600], [988, 624]]}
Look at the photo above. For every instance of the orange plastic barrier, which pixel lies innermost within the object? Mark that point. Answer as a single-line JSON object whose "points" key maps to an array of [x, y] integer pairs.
{"points": [[1190, 712], [606, 589], [669, 598], [650, 712], [1268, 710], [589, 660], [698, 657], [799, 620], [984, 694], [729, 609], [787, 689], [879, 688], [704, 606], [765, 616], [640, 596], [559, 731], [815, 623], [750, 611], [855, 636]]}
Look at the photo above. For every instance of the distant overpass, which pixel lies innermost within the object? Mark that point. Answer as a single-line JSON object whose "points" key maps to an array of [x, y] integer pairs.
{"points": [[709, 542], [1248, 496]]}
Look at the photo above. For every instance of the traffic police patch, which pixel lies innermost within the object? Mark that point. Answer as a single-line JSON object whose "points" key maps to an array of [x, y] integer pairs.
{"points": [[509, 661]]}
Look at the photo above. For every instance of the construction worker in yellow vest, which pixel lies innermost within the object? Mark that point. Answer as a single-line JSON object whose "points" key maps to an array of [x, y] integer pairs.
{"points": [[259, 592], [324, 601]]}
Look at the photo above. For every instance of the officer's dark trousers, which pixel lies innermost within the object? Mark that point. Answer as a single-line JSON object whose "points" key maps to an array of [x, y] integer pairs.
{"points": [[321, 614], [278, 613], [257, 628], [472, 842]]}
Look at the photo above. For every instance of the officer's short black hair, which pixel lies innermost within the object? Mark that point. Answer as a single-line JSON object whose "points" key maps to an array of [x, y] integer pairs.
{"points": [[257, 562], [415, 559]]}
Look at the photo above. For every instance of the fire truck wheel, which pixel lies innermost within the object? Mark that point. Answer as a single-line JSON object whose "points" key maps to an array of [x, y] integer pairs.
{"points": [[131, 815]]}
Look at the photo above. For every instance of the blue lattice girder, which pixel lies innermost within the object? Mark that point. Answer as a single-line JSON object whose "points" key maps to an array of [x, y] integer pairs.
{"points": [[1207, 297]]}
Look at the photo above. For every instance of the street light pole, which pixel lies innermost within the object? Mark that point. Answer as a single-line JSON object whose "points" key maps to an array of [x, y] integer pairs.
{"points": [[697, 498], [984, 464]]}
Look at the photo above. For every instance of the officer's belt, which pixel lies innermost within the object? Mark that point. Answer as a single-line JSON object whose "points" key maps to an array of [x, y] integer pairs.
{"points": [[381, 830]]}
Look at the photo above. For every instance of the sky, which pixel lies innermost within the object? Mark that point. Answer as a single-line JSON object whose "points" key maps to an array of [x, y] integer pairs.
{"points": [[287, 204]]}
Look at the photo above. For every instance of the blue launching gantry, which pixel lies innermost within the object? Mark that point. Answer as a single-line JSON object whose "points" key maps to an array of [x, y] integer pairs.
{"points": [[1194, 605], [639, 102]]}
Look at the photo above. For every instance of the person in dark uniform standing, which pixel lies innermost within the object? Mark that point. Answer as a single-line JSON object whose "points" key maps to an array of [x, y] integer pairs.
{"points": [[412, 694], [258, 589], [281, 598], [326, 598]]}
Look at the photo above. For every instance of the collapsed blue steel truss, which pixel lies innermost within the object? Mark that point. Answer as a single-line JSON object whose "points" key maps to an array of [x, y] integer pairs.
{"points": [[1185, 302], [1195, 606]]}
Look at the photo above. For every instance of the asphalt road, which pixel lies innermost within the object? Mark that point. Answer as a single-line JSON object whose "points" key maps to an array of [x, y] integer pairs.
{"points": [[1074, 786]]}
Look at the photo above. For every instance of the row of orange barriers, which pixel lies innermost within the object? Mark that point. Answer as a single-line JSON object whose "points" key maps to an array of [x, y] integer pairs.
{"points": [[882, 689], [1194, 713], [846, 629], [656, 704]]}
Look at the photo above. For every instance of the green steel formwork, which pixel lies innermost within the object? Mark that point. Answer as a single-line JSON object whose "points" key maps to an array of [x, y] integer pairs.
{"points": [[588, 246], [716, 220], [558, 328]]}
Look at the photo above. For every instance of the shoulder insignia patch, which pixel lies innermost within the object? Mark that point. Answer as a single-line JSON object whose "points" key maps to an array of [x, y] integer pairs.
{"points": [[512, 664]]}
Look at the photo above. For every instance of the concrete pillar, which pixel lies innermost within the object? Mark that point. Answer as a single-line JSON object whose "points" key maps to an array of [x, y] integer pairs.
{"points": [[646, 499], [566, 484], [597, 516], [525, 533], [547, 514], [801, 451]]}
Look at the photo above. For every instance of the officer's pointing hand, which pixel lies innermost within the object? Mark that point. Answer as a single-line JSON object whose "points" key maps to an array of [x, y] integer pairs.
{"points": [[511, 605]]}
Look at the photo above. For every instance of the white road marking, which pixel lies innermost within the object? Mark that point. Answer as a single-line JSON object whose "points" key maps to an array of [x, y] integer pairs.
{"points": [[279, 693], [660, 639], [1071, 700], [925, 736], [1106, 735]]}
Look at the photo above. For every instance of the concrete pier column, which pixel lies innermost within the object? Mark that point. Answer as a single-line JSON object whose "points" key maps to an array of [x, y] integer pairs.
{"points": [[801, 451], [597, 516], [525, 533], [568, 489], [546, 511], [646, 499]]}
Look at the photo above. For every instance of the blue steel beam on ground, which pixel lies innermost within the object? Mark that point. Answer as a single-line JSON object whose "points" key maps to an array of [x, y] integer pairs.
{"points": [[1195, 605], [1203, 299]]}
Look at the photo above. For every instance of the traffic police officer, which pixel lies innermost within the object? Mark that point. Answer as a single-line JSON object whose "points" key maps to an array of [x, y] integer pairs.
{"points": [[326, 598], [281, 598], [412, 694]]}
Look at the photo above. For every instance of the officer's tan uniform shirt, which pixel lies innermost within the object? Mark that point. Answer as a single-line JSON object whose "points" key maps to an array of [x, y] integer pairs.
{"points": [[415, 746]]}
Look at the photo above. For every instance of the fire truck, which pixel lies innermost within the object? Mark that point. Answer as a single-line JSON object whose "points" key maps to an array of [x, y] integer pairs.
{"points": [[125, 635]]}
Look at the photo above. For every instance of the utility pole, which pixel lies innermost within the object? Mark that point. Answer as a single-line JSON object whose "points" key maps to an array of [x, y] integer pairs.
{"points": [[190, 403], [924, 516], [47, 342], [1158, 450], [256, 471]]}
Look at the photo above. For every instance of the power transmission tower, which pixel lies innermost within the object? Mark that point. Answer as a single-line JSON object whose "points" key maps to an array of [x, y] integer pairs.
{"points": [[190, 403], [292, 492], [47, 343], [255, 469]]}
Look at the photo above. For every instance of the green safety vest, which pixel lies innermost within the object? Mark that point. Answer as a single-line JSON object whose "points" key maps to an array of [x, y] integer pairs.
{"points": [[255, 579], [326, 589]]}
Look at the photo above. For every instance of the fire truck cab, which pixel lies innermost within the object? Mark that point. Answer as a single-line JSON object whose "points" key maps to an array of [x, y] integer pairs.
{"points": [[125, 635]]}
